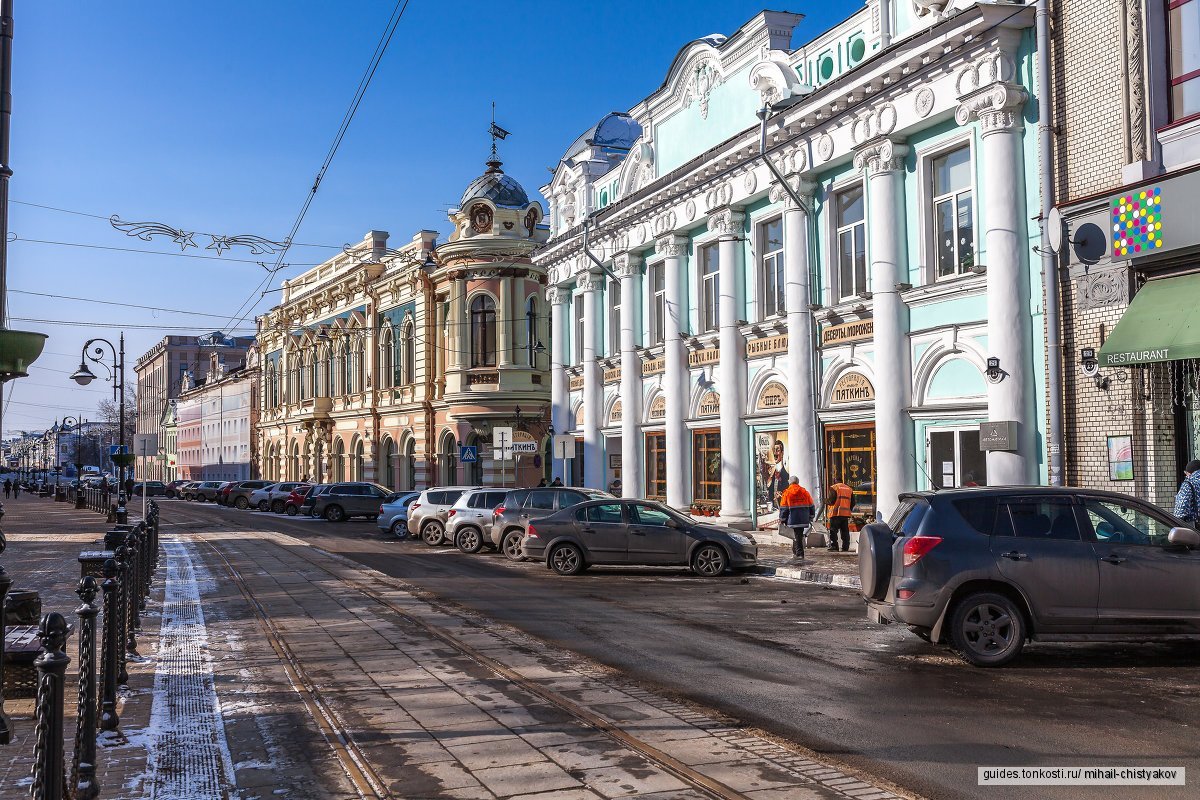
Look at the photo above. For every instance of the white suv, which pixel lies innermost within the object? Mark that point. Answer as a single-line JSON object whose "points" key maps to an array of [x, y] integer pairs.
{"points": [[469, 521], [427, 515]]}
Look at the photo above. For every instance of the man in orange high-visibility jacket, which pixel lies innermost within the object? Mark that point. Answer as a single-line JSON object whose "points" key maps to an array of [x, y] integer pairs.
{"points": [[795, 511], [839, 500]]}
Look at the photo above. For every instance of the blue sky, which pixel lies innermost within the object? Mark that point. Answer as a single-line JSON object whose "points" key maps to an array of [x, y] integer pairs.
{"points": [[215, 117]]}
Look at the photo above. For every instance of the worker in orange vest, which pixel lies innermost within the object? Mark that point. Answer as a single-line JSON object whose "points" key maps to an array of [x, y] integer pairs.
{"points": [[795, 511], [838, 501]]}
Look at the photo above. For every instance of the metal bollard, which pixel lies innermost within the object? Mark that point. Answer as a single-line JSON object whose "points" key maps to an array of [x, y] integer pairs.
{"points": [[80, 498], [49, 778], [5, 584], [108, 669], [83, 761], [122, 615], [133, 589]]}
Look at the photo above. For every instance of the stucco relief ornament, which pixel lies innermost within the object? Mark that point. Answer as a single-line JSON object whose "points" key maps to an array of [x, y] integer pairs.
{"points": [[639, 234], [481, 217], [750, 182], [689, 210], [669, 246], [924, 101], [705, 76], [531, 220], [926, 7], [825, 146]]}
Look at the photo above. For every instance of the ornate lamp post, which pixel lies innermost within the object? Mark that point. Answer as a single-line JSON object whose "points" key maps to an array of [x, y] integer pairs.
{"points": [[83, 376], [76, 424]]}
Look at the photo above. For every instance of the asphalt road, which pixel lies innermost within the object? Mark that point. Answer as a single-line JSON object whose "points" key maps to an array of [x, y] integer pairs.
{"points": [[802, 662]]}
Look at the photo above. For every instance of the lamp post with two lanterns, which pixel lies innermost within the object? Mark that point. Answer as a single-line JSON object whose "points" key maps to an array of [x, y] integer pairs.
{"points": [[84, 375]]}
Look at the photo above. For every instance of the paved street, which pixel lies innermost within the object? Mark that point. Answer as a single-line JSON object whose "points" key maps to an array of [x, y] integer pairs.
{"points": [[800, 662]]}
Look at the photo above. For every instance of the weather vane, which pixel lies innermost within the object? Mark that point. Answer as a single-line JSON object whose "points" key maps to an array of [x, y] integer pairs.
{"points": [[496, 132]]}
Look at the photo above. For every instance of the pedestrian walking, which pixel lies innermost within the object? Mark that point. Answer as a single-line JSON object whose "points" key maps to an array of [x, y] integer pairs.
{"points": [[1187, 499], [838, 501], [542, 483], [7, 488], [796, 512], [16, 490], [557, 482], [129, 487]]}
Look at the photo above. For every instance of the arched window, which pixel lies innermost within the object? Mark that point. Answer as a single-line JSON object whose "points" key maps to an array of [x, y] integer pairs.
{"points": [[338, 462], [294, 463], [408, 356], [409, 476], [293, 383], [338, 383], [448, 462], [483, 331], [531, 329], [358, 349], [307, 374], [325, 372], [356, 461], [387, 358], [387, 455]]}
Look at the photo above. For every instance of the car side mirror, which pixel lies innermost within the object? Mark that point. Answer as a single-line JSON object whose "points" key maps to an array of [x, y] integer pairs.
{"points": [[1184, 537]]}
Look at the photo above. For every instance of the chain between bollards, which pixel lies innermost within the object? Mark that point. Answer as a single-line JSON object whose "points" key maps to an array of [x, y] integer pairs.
{"points": [[83, 762], [109, 720], [49, 778]]}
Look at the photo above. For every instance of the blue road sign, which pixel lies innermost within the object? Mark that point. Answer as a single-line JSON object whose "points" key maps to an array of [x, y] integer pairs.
{"points": [[467, 454], [118, 449]]}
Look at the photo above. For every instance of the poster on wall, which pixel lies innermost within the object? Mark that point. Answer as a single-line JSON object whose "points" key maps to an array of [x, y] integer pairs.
{"points": [[771, 471], [1120, 458]]}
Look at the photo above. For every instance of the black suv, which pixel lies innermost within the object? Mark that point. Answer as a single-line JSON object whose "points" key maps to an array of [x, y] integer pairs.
{"points": [[988, 569]]}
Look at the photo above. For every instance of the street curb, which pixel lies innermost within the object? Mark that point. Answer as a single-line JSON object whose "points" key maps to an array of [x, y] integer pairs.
{"points": [[851, 582]]}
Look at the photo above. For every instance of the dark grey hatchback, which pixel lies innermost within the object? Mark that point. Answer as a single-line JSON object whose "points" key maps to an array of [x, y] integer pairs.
{"points": [[988, 569], [634, 532]]}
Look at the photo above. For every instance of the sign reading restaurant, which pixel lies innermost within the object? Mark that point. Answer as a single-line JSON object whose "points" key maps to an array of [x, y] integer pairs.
{"points": [[853, 387], [857, 331]]}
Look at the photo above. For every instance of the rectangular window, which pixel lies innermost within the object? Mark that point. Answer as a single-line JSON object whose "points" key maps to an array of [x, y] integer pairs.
{"points": [[656, 466], [953, 213], [578, 303], [1183, 31], [706, 467], [850, 212], [770, 270], [954, 459], [614, 317], [658, 305], [710, 289]]}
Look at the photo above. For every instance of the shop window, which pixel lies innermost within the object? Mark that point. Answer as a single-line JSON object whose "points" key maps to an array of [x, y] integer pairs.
{"points": [[658, 305], [706, 467], [771, 269], [1183, 31], [953, 213], [850, 459], [954, 459], [710, 288], [851, 242], [656, 466]]}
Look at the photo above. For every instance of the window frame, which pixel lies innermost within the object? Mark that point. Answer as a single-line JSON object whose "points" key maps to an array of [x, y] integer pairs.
{"points": [[1173, 80], [778, 256], [836, 229], [708, 293], [653, 480], [658, 303], [483, 329], [705, 492], [929, 208], [579, 317], [614, 298]]}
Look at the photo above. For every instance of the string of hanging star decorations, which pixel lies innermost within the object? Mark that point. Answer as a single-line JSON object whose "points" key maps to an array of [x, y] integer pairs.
{"points": [[146, 231]]}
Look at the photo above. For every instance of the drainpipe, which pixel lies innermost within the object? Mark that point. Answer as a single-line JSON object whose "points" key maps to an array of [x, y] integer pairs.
{"points": [[1054, 354], [885, 23], [587, 221]]}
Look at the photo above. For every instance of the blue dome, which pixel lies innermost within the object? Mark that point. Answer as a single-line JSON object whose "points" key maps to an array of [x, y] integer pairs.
{"points": [[494, 185], [616, 129]]}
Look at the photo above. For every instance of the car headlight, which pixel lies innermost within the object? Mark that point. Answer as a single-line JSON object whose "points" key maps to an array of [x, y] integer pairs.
{"points": [[742, 540]]}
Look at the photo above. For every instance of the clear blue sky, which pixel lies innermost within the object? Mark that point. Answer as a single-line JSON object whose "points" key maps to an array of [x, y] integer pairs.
{"points": [[215, 117]]}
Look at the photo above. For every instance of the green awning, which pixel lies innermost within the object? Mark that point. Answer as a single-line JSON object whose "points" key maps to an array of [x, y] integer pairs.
{"points": [[1161, 324]]}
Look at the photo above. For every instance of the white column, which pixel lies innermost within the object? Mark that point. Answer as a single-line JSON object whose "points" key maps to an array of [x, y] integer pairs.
{"points": [[731, 372], [1011, 396], [633, 480], [675, 375], [560, 400], [458, 324], [801, 413], [593, 390], [884, 161], [504, 314]]}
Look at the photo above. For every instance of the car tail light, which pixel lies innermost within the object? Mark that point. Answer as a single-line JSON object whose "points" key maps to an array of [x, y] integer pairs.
{"points": [[414, 506], [916, 548], [497, 511], [451, 513], [904, 594], [531, 531], [381, 511]]}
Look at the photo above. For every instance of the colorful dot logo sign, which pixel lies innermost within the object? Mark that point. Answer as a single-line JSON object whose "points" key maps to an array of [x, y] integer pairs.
{"points": [[1137, 222]]}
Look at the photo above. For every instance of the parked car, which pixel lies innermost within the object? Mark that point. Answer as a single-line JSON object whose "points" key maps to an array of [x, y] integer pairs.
{"points": [[151, 488], [306, 506], [393, 514], [988, 569], [509, 518], [351, 499], [427, 514], [295, 500], [202, 491], [470, 518], [223, 492], [272, 496], [634, 532], [174, 486], [237, 494]]}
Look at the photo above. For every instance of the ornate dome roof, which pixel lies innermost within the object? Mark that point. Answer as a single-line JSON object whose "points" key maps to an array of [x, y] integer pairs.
{"points": [[494, 185], [616, 129]]}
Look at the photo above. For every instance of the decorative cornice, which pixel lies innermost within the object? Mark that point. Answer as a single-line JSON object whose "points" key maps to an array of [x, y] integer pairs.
{"points": [[880, 155], [670, 246]]}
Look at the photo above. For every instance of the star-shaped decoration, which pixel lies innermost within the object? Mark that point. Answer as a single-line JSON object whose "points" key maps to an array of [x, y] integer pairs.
{"points": [[184, 239], [219, 243]]}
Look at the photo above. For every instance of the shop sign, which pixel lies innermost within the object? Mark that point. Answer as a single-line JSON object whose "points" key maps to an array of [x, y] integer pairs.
{"points": [[710, 404], [612, 375], [658, 409], [617, 412], [576, 382], [773, 397], [699, 358], [523, 443], [857, 331], [997, 436], [767, 346], [853, 387], [655, 366]]}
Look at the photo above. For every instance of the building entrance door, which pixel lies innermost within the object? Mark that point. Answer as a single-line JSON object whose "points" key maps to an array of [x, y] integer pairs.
{"points": [[850, 459]]}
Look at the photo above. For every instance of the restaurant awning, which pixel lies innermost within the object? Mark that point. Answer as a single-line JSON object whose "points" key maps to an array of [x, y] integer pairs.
{"points": [[1161, 324]]}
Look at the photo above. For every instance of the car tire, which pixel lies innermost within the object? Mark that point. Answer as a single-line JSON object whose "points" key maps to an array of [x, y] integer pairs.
{"points": [[399, 529], [277, 507], [510, 545], [264, 506], [291, 510], [709, 561], [241, 504], [433, 534], [987, 629], [469, 540], [875, 560], [199, 498], [334, 514], [566, 559]]}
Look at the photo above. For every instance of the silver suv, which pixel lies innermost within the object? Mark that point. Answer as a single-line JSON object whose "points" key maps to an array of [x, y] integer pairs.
{"points": [[345, 500], [468, 522], [203, 490], [427, 515], [521, 505]]}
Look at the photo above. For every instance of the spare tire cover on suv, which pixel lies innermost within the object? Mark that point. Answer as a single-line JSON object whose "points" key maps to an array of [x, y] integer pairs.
{"points": [[875, 559]]}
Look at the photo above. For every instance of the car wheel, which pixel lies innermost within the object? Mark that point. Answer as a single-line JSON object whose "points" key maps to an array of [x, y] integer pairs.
{"points": [[433, 534], [291, 510], [335, 514], [987, 629], [264, 506], [277, 507], [470, 540], [399, 529], [199, 498], [566, 559], [511, 546], [241, 503], [709, 561]]}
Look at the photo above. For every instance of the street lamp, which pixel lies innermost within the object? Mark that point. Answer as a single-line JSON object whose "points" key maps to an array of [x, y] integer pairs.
{"points": [[84, 375], [77, 424]]}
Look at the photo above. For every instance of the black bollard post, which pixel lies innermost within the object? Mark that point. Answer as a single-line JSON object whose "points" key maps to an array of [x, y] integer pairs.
{"points": [[5, 585], [122, 554], [49, 779], [108, 670], [144, 572], [131, 591], [83, 761]]}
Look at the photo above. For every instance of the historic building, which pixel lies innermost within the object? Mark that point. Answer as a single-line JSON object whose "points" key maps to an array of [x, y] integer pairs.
{"points": [[876, 321], [1127, 116], [214, 420], [384, 364]]}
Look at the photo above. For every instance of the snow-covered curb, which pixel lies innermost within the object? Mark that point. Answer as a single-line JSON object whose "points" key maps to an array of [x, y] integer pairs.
{"points": [[817, 576]]}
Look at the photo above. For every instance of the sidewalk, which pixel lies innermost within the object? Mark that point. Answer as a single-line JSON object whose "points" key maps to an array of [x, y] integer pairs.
{"points": [[838, 570]]}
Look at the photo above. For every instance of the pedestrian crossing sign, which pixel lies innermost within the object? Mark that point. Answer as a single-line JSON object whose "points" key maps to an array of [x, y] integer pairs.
{"points": [[467, 454]]}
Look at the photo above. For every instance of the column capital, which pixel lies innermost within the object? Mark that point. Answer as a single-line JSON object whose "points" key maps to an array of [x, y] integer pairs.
{"points": [[801, 185], [997, 107], [727, 221], [880, 155], [672, 244], [590, 281], [627, 265], [556, 295]]}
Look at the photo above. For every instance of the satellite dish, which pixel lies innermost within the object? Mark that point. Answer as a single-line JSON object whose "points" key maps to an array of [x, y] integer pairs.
{"points": [[1056, 230]]}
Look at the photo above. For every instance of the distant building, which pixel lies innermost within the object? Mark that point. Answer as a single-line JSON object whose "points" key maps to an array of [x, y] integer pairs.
{"points": [[214, 421]]}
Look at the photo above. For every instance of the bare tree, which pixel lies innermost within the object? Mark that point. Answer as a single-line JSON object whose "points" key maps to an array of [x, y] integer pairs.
{"points": [[109, 413]]}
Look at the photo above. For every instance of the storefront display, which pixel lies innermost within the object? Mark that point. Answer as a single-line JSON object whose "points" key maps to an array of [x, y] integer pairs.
{"points": [[850, 459], [770, 473]]}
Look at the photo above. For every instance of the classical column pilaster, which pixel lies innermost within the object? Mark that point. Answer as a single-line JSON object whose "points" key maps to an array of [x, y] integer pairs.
{"points": [[675, 373], [803, 439], [883, 161], [504, 326], [1010, 328], [590, 285], [727, 223], [458, 324], [629, 269], [560, 401]]}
